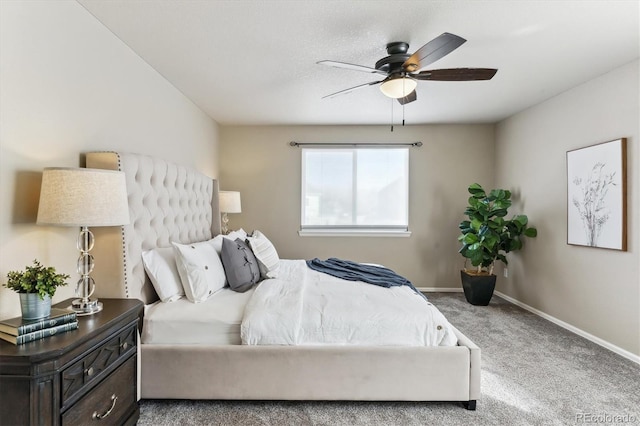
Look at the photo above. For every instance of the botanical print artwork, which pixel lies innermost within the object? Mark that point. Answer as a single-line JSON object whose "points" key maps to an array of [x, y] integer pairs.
{"points": [[596, 196], [591, 198]]}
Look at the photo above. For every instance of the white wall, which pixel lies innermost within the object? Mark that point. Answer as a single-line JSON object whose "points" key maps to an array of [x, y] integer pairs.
{"points": [[259, 163], [595, 290], [68, 86]]}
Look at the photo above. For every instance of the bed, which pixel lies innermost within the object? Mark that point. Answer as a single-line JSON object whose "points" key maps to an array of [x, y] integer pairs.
{"points": [[171, 203]]}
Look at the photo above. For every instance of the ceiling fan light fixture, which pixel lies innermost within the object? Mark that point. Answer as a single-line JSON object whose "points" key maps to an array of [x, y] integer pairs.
{"points": [[398, 87]]}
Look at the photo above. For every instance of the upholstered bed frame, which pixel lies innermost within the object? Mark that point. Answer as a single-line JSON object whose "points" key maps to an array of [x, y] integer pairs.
{"points": [[168, 203]]}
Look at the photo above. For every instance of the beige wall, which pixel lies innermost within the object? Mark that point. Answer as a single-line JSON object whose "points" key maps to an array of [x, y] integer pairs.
{"points": [[258, 162], [68, 86], [595, 290]]}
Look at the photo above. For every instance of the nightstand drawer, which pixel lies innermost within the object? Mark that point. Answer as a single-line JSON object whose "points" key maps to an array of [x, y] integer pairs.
{"points": [[92, 367], [109, 403]]}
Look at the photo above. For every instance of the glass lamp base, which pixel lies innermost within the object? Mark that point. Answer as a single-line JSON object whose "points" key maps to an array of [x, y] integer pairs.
{"points": [[86, 307], [225, 224]]}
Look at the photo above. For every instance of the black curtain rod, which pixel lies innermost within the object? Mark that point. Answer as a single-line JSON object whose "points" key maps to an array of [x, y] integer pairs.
{"points": [[416, 144]]}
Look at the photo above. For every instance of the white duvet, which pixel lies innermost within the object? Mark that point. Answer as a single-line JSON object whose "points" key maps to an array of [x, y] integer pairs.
{"points": [[306, 307]]}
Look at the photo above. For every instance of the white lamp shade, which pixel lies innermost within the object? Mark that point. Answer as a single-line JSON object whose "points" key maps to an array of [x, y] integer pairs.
{"points": [[83, 197], [398, 87], [230, 202]]}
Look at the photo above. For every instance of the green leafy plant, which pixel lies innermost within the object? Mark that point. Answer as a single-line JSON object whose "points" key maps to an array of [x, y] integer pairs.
{"points": [[36, 279], [487, 236]]}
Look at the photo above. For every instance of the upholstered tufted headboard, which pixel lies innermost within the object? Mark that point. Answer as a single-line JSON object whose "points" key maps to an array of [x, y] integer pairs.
{"points": [[167, 203]]}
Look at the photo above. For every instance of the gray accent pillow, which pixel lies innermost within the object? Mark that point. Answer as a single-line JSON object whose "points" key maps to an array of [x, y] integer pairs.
{"points": [[240, 265]]}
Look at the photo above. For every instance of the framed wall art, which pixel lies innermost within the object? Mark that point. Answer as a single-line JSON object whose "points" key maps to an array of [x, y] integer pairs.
{"points": [[597, 196]]}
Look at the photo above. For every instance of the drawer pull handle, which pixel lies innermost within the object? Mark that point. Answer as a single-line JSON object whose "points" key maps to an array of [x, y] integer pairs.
{"points": [[124, 346], [95, 415], [89, 371]]}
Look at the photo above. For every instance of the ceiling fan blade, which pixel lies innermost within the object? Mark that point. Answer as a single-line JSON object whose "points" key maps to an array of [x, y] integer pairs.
{"points": [[456, 74], [351, 89], [409, 98], [353, 67], [429, 53]]}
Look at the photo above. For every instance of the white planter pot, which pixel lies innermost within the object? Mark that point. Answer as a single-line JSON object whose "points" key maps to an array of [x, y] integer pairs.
{"points": [[33, 307]]}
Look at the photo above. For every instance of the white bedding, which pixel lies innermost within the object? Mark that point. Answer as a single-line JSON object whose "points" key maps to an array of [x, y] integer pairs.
{"points": [[306, 307], [216, 321]]}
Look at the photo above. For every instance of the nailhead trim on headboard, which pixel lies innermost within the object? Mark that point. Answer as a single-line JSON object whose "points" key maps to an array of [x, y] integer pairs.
{"points": [[124, 248]]}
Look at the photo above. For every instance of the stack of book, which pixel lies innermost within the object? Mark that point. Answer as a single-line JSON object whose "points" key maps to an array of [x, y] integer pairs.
{"points": [[19, 331]]}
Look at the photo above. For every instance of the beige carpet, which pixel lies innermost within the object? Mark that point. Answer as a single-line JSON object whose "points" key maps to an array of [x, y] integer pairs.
{"points": [[533, 373]]}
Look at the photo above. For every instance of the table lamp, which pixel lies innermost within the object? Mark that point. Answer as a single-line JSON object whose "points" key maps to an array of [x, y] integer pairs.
{"points": [[84, 198], [229, 203]]}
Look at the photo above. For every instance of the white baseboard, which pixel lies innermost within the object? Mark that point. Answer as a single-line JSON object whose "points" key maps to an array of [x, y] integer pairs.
{"points": [[622, 352], [440, 289]]}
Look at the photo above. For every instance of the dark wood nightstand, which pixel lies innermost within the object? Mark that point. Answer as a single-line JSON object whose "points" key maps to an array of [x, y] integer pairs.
{"points": [[80, 377]]}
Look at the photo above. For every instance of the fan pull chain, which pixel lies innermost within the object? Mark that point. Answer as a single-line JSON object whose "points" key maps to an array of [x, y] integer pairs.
{"points": [[392, 115], [402, 115], [403, 91]]}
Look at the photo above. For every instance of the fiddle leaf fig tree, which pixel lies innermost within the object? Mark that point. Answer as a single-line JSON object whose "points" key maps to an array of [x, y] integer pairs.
{"points": [[487, 236]]}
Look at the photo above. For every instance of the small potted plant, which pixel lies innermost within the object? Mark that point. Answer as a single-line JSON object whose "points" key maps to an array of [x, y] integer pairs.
{"points": [[486, 237], [36, 285]]}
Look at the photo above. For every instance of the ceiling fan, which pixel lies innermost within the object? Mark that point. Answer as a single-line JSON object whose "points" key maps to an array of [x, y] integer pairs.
{"points": [[402, 70]]}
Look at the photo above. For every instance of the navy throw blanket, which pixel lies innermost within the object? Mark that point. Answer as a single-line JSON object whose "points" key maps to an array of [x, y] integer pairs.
{"points": [[353, 271]]}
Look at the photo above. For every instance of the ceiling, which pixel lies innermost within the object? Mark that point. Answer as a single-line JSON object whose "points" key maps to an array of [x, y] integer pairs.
{"points": [[254, 62]]}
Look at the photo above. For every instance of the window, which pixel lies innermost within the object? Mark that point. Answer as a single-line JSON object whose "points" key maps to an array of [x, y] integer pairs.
{"points": [[355, 190]]}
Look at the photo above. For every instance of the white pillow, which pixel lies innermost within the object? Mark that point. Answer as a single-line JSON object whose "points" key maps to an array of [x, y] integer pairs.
{"points": [[217, 241], [240, 233], [266, 253], [200, 269], [160, 264]]}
